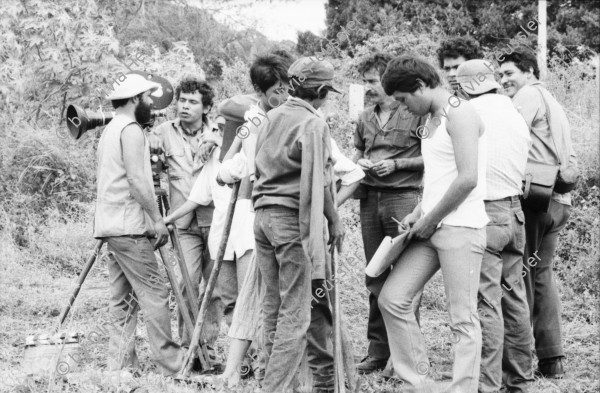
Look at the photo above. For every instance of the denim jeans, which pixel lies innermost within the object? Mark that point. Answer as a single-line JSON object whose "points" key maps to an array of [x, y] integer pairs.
{"points": [[458, 251], [286, 273], [194, 242], [502, 303], [542, 231], [320, 332], [133, 270], [246, 325], [376, 212]]}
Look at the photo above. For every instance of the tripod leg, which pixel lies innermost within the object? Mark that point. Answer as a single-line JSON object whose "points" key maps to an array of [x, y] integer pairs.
{"points": [[193, 300], [163, 206], [82, 276], [187, 281], [187, 364]]}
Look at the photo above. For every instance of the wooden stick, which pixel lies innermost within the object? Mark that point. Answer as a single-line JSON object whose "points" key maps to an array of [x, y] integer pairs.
{"points": [[187, 281], [185, 312], [82, 276], [345, 359], [187, 363], [338, 358], [193, 300]]}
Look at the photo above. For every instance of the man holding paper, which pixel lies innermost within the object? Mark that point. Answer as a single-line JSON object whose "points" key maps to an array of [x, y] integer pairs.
{"points": [[447, 229], [389, 151]]}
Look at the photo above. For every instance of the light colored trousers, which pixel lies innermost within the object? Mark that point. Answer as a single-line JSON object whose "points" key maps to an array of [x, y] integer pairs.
{"points": [[246, 322], [135, 281], [230, 281], [458, 251]]}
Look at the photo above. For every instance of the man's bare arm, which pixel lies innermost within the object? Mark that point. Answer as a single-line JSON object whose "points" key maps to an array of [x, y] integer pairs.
{"points": [[464, 126], [133, 147], [409, 164]]}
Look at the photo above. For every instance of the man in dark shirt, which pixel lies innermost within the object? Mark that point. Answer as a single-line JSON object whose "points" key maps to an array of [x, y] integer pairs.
{"points": [[389, 151], [293, 194]]}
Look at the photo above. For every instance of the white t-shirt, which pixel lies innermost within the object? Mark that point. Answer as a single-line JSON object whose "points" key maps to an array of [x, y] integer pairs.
{"points": [[508, 142]]}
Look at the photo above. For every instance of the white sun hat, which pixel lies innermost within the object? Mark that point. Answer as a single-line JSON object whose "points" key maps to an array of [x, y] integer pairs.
{"points": [[133, 85]]}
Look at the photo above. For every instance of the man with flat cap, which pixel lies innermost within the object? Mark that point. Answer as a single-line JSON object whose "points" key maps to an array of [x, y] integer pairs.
{"points": [[293, 194], [128, 220]]}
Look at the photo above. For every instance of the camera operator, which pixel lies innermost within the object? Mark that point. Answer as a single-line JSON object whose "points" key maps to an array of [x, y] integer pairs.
{"points": [[126, 217], [187, 143]]}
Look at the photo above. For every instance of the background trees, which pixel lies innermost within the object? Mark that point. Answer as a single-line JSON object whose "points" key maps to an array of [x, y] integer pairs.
{"points": [[573, 25]]}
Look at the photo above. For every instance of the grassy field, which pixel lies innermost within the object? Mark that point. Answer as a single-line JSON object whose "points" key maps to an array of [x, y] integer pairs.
{"points": [[45, 238], [35, 286]]}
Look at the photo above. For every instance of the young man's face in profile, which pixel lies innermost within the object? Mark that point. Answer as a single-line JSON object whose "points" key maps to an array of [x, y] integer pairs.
{"points": [[415, 102], [450, 66], [190, 107], [275, 95], [374, 93]]}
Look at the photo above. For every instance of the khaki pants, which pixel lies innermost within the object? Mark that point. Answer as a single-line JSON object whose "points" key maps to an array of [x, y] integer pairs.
{"points": [[136, 282]]}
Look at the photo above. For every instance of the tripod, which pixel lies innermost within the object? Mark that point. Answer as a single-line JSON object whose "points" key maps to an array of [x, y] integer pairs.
{"points": [[188, 315]]}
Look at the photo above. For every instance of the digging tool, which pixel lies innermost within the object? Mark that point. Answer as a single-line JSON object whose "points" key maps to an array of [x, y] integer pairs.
{"points": [[338, 358], [343, 360], [187, 363]]}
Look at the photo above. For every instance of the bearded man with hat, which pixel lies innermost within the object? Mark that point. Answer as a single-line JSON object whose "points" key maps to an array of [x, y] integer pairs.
{"points": [[293, 194], [128, 220], [502, 301]]}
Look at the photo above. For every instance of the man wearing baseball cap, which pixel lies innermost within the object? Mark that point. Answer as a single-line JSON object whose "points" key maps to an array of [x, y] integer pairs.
{"points": [[293, 193], [128, 220], [502, 301]]}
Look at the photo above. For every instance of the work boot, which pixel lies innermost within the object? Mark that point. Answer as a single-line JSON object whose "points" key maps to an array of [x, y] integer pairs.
{"points": [[551, 368], [371, 364]]}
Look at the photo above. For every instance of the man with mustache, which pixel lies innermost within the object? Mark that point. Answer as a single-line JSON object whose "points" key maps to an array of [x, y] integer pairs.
{"points": [[127, 218], [187, 143], [389, 151], [551, 137]]}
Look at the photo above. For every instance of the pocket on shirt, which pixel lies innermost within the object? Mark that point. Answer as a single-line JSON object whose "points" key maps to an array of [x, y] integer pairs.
{"points": [[403, 139]]}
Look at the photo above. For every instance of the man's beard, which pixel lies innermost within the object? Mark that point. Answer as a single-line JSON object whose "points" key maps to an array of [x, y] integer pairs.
{"points": [[143, 114]]}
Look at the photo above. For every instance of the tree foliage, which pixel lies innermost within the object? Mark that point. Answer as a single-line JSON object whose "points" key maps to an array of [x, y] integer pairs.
{"points": [[572, 25]]}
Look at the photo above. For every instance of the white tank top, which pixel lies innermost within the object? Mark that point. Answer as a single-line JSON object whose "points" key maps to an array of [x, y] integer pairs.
{"points": [[440, 172], [117, 213]]}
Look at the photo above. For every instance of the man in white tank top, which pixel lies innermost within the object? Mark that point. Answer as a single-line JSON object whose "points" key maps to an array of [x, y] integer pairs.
{"points": [[447, 228], [126, 218], [502, 307]]}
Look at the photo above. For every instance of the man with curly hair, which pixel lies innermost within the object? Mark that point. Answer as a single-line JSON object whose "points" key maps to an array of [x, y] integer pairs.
{"points": [[388, 149], [187, 143], [455, 51]]}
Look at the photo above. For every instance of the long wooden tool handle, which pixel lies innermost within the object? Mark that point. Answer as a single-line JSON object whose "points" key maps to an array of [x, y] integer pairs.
{"points": [[354, 381], [338, 358], [187, 363], [86, 269]]}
